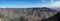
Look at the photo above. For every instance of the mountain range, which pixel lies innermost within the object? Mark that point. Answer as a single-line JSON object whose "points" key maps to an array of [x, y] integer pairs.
{"points": [[26, 14]]}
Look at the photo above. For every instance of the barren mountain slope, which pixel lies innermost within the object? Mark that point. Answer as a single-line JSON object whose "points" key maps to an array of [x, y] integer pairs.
{"points": [[26, 14]]}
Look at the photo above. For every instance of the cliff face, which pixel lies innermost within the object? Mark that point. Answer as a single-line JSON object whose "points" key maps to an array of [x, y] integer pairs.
{"points": [[26, 14]]}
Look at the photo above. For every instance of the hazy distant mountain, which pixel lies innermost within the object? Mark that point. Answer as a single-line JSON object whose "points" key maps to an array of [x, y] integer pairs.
{"points": [[56, 8]]}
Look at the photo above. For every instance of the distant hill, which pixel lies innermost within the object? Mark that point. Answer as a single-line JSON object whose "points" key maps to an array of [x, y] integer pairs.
{"points": [[56, 8]]}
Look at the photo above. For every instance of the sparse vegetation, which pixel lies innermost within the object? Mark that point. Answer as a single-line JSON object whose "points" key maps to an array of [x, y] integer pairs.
{"points": [[26, 14]]}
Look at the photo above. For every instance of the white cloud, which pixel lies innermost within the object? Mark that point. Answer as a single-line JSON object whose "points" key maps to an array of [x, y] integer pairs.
{"points": [[56, 4], [52, 1], [44, 1], [52, 4]]}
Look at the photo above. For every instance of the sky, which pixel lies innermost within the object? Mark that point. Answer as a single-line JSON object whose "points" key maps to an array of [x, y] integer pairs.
{"points": [[28, 3]]}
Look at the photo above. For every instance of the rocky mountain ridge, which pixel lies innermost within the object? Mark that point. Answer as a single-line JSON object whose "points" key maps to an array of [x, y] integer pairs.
{"points": [[29, 14]]}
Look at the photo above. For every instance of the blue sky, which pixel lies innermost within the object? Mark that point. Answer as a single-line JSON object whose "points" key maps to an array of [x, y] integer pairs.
{"points": [[29, 3]]}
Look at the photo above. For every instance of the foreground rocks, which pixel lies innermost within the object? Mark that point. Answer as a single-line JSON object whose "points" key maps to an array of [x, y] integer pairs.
{"points": [[26, 14]]}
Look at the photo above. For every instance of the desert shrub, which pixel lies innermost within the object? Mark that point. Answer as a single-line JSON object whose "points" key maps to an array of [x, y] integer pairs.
{"points": [[1, 16], [22, 18]]}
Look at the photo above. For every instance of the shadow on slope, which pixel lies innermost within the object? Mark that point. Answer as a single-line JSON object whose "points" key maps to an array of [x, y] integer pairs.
{"points": [[53, 18]]}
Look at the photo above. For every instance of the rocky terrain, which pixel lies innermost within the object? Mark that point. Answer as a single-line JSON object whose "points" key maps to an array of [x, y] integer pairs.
{"points": [[56, 17], [26, 14]]}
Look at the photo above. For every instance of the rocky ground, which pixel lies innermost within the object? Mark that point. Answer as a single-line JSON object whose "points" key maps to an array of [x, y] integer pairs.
{"points": [[26, 14]]}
